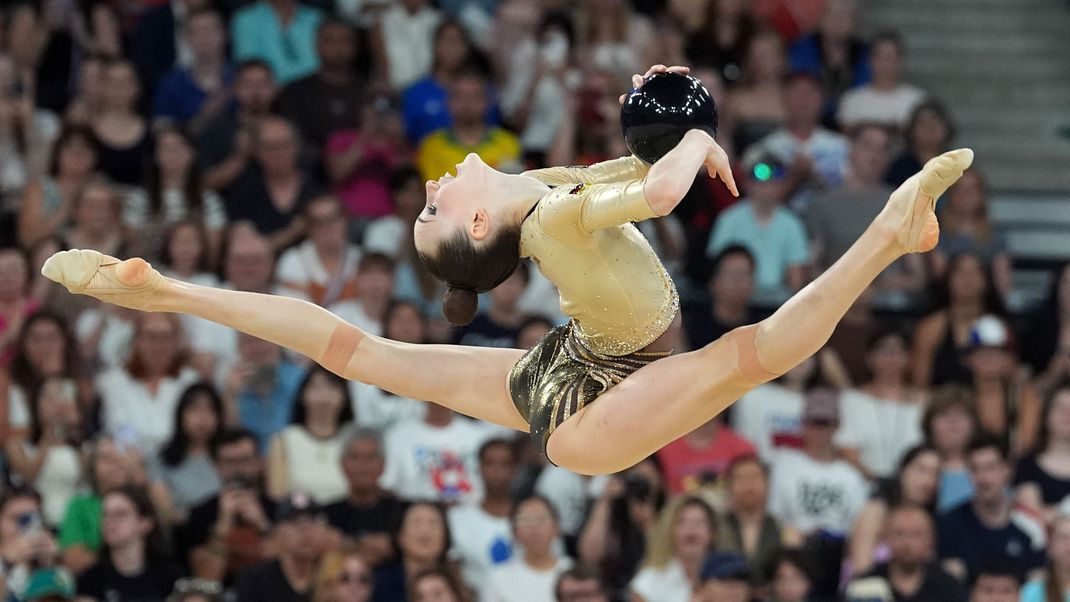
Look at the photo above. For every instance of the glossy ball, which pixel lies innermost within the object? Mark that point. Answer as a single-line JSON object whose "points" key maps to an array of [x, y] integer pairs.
{"points": [[657, 115]]}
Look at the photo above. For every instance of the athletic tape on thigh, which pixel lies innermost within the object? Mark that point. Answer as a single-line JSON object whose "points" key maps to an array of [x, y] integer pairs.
{"points": [[747, 354], [340, 349]]}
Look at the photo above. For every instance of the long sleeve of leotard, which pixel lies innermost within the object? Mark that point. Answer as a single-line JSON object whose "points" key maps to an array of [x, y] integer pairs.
{"points": [[614, 170]]}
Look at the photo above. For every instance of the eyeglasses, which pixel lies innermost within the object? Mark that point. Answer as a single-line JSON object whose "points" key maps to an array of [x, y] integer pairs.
{"points": [[360, 578]]}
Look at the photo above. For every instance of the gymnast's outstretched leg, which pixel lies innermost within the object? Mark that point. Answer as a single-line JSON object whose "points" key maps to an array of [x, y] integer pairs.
{"points": [[671, 397]]}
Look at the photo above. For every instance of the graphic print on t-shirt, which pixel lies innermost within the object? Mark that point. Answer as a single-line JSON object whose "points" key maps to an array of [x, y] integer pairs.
{"points": [[448, 473]]}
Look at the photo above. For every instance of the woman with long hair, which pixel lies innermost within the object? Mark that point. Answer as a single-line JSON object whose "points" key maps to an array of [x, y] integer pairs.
{"points": [[1046, 339], [755, 107], [185, 463], [676, 548], [48, 201], [377, 408], [1055, 585], [422, 538], [124, 135], [723, 37], [929, 133], [437, 585], [16, 303], [344, 575], [1042, 479], [624, 306], [966, 228], [95, 218], [45, 348]]}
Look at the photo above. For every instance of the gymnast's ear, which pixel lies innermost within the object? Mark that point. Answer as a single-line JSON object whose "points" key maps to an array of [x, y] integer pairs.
{"points": [[479, 227]]}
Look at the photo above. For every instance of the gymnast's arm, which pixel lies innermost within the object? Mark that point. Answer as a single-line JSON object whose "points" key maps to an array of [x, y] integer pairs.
{"points": [[614, 170]]}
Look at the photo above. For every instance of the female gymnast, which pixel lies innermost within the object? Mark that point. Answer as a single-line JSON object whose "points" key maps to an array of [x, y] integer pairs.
{"points": [[575, 224]]}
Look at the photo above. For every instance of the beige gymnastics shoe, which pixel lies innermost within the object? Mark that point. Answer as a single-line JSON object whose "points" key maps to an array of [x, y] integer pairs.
{"points": [[130, 283], [912, 207]]}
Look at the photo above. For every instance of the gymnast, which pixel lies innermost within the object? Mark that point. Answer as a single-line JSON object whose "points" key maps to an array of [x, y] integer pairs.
{"points": [[601, 392]]}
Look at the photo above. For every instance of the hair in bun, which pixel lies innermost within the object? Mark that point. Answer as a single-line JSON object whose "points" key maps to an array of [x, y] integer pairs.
{"points": [[459, 305]]}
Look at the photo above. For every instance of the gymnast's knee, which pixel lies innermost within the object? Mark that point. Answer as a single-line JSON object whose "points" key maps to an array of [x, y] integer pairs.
{"points": [[742, 340], [341, 348]]}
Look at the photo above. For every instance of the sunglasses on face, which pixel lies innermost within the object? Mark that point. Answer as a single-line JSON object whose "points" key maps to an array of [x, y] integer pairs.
{"points": [[359, 578]]}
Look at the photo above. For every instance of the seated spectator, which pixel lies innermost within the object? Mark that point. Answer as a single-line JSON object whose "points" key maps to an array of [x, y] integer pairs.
{"points": [[812, 490], [133, 563], [790, 580], [228, 532], [423, 540], [914, 484], [730, 287], [443, 149], [1054, 582], [579, 585], [156, 43], [307, 455], [196, 92], [185, 465], [760, 222], [47, 456], [615, 37], [224, 144], [46, 205], [139, 399], [966, 228], [323, 267], [498, 325], [187, 256], [886, 100], [280, 32], [1007, 405], [746, 527], [124, 135], [996, 580], [16, 305], [372, 286], [949, 424], [817, 157], [834, 53], [702, 456], [1045, 343], [273, 194], [928, 133], [676, 549], [770, 415], [24, 542], [881, 418], [437, 585], [344, 575], [261, 388], [407, 30], [531, 574], [571, 493], [173, 193], [26, 132], [488, 536], [989, 525], [723, 39], [95, 219], [910, 571], [368, 510], [1042, 478], [327, 99], [754, 108], [725, 578], [373, 407], [964, 293], [88, 95], [49, 585]]}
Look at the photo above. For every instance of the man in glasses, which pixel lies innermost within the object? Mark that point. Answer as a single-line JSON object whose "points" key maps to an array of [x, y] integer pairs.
{"points": [[580, 584]]}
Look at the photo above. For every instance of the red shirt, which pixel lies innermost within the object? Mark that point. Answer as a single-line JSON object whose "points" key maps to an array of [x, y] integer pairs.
{"points": [[686, 466]]}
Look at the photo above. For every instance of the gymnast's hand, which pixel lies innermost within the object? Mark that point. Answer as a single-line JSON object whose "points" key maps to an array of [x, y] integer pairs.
{"points": [[638, 80]]}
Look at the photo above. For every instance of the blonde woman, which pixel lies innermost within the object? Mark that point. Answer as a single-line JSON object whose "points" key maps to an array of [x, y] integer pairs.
{"points": [[344, 575], [681, 540]]}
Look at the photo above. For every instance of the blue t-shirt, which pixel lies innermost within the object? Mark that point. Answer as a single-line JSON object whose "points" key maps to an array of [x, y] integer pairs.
{"points": [[256, 33], [963, 536], [425, 109], [776, 245], [1036, 591], [955, 489], [179, 97], [267, 415]]}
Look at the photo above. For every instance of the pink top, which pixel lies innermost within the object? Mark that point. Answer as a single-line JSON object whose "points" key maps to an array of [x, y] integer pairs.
{"points": [[366, 192], [685, 465]]}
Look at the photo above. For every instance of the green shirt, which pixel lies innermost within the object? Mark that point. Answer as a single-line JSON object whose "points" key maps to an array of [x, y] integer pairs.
{"points": [[81, 524]]}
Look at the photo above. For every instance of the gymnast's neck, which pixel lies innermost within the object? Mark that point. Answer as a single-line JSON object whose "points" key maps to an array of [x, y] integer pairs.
{"points": [[516, 195]]}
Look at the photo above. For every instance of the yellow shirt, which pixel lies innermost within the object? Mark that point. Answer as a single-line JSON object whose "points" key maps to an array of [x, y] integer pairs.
{"points": [[440, 152], [581, 237]]}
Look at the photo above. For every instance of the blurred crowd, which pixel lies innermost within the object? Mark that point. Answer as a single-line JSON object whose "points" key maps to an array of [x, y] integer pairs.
{"points": [[279, 146]]}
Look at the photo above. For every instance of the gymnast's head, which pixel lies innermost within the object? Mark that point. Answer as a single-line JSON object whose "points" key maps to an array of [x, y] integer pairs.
{"points": [[468, 235]]}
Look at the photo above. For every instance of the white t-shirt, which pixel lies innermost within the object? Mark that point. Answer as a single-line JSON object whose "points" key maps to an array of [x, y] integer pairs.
{"points": [[136, 210], [880, 429], [869, 105], [770, 416], [18, 410], [384, 235], [481, 541], [827, 150], [375, 408], [810, 495], [570, 493], [116, 335], [515, 581], [58, 480], [132, 413], [408, 39], [300, 267], [314, 466], [353, 312], [428, 463], [669, 584]]}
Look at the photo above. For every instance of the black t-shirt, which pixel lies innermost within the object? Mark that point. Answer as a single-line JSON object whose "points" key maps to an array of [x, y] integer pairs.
{"points": [[243, 550], [962, 535], [1052, 489], [355, 521], [103, 582], [318, 108], [937, 587], [216, 140], [248, 199], [703, 328], [483, 332], [265, 582]]}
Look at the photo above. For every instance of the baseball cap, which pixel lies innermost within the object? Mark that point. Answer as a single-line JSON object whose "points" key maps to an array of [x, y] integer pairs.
{"points": [[49, 583], [296, 505], [869, 589], [725, 566], [763, 166], [821, 405]]}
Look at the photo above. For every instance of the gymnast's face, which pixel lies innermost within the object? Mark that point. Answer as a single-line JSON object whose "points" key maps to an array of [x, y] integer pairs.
{"points": [[455, 201]]}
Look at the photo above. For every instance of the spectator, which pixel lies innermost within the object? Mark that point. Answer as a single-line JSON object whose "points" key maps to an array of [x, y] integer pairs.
{"points": [[914, 484], [817, 156], [773, 235], [909, 571], [755, 108], [197, 91], [124, 135], [49, 585], [989, 526], [612, 37], [499, 325], [966, 228], [928, 133], [882, 418], [47, 456], [1046, 339], [323, 268], [301, 538], [261, 388], [372, 286], [373, 407], [422, 538], [725, 578], [468, 101], [488, 540], [579, 585], [886, 100], [1008, 406], [15, 303], [405, 37], [730, 287], [723, 39], [368, 510], [188, 257], [996, 581], [964, 293], [133, 563], [812, 490], [227, 532], [46, 206], [185, 465], [1054, 584], [770, 415], [96, 212], [344, 575], [437, 585], [531, 574], [676, 549], [1041, 478], [949, 424], [791, 579], [155, 43], [280, 32], [702, 456], [173, 193], [224, 144], [88, 96], [307, 455], [45, 349], [24, 543], [139, 399], [27, 133], [834, 54]]}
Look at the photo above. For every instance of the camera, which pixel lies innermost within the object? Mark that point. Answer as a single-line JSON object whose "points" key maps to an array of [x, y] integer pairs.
{"points": [[637, 487]]}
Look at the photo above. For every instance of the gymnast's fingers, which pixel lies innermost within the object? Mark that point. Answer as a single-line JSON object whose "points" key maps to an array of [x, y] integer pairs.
{"points": [[679, 69]]}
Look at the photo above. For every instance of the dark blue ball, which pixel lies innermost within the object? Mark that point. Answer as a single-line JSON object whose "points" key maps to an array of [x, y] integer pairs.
{"points": [[657, 115]]}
